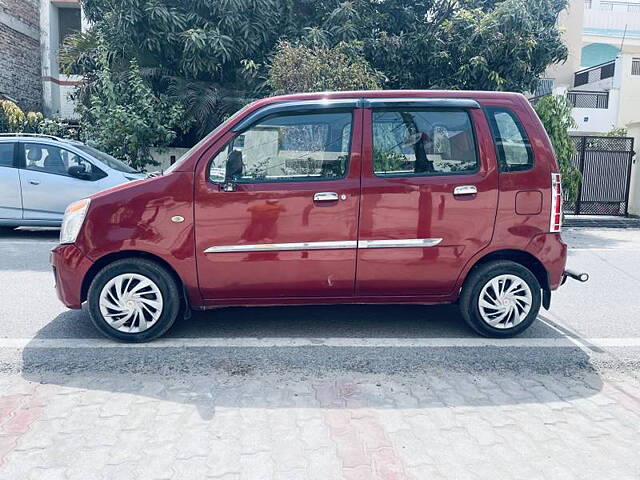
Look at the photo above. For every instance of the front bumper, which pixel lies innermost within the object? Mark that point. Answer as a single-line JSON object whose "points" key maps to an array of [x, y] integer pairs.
{"points": [[70, 267]]}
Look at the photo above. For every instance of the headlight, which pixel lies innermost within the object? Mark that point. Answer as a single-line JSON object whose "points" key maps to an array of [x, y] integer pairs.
{"points": [[73, 219]]}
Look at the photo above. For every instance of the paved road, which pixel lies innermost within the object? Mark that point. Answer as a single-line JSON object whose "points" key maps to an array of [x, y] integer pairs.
{"points": [[366, 392]]}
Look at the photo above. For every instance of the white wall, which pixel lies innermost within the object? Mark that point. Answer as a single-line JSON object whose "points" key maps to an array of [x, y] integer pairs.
{"points": [[607, 20], [634, 195], [629, 111], [164, 157], [597, 120], [570, 23], [56, 86]]}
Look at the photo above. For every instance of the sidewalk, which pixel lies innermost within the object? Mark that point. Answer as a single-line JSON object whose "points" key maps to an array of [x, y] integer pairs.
{"points": [[432, 425], [600, 221]]}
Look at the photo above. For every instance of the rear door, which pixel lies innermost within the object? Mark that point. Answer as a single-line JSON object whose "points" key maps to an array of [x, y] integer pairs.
{"points": [[276, 208], [47, 187], [10, 196], [429, 195]]}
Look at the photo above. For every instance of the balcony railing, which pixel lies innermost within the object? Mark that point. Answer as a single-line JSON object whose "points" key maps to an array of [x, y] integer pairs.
{"points": [[594, 74], [586, 99]]}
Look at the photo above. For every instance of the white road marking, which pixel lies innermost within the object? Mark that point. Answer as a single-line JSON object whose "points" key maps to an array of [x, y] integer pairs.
{"points": [[286, 342]]}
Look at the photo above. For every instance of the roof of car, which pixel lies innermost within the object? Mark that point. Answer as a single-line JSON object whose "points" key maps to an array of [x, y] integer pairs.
{"points": [[37, 136], [395, 94]]}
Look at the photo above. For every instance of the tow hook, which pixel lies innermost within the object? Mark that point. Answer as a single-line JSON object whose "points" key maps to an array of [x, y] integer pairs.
{"points": [[581, 277]]}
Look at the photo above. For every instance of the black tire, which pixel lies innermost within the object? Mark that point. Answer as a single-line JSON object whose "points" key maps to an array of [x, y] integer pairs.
{"points": [[159, 275], [475, 282]]}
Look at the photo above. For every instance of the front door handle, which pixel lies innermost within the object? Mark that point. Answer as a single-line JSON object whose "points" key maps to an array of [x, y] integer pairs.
{"points": [[465, 190], [325, 197], [34, 182]]}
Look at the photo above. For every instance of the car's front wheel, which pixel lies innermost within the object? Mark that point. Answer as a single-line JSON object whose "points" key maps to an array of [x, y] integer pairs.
{"points": [[500, 299], [133, 300]]}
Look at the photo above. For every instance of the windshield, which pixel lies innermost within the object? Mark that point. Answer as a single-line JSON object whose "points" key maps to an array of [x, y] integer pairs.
{"points": [[107, 159], [213, 132]]}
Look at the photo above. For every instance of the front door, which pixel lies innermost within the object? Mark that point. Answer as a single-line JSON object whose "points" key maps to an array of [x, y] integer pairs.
{"points": [[429, 198], [276, 208]]}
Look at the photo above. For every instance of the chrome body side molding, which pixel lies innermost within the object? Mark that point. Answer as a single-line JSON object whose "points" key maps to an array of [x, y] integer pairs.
{"points": [[273, 247], [401, 243], [339, 245]]}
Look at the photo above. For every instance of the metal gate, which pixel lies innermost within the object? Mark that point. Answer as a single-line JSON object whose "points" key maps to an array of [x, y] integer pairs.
{"points": [[605, 164]]}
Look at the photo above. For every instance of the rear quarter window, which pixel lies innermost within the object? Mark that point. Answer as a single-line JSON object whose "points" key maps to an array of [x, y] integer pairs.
{"points": [[512, 143]]}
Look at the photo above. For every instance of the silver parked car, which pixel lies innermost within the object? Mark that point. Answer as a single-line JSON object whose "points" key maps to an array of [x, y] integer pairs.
{"points": [[40, 175]]}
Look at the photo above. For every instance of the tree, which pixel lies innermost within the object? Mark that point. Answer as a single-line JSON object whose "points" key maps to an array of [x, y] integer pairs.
{"points": [[124, 117], [471, 44], [555, 113], [299, 68], [211, 56]]}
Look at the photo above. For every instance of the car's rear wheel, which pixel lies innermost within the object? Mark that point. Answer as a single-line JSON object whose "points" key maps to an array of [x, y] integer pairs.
{"points": [[500, 299], [133, 300]]}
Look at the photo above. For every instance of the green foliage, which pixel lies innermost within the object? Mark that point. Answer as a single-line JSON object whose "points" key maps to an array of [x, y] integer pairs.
{"points": [[210, 56], [124, 117], [300, 68], [555, 113], [617, 132], [59, 128], [12, 118]]}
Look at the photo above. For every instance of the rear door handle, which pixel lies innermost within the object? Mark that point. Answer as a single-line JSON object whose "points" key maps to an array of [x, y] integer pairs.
{"points": [[325, 197], [34, 182], [465, 190]]}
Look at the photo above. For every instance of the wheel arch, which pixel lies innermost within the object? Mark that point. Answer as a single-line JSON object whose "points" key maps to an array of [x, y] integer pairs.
{"points": [[525, 259], [112, 257]]}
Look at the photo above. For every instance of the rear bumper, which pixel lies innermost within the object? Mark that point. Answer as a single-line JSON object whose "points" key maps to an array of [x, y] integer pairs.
{"points": [[70, 266], [552, 252]]}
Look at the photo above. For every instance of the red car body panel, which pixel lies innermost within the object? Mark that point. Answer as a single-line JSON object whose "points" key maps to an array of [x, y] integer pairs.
{"points": [[511, 211]]}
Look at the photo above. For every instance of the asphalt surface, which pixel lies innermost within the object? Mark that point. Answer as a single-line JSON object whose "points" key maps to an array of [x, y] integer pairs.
{"points": [[572, 335]]}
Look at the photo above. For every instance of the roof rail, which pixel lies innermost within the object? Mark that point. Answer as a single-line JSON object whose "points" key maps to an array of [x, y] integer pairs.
{"points": [[37, 135]]}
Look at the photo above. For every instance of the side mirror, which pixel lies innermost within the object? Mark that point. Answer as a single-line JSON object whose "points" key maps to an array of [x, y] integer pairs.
{"points": [[79, 171]]}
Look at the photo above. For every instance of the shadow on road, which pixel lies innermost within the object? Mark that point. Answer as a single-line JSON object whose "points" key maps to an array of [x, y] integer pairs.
{"points": [[310, 377], [30, 233]]}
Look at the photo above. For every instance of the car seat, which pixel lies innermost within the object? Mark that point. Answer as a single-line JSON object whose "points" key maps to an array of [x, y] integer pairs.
{"points": [[53, 163]]}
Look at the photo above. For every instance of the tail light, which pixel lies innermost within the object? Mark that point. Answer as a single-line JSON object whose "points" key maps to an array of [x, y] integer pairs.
{"points": [[556, 203]]}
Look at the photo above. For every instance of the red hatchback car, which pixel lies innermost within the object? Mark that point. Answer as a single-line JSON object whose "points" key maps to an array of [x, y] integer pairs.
{"points": [[354, 197]]}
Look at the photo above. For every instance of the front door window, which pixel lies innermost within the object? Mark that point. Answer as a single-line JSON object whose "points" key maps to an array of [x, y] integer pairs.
{"points": [[307, 147]]}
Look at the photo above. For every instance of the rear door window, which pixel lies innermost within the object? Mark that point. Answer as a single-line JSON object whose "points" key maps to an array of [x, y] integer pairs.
{"points": [[423, 142], [511, 141]]}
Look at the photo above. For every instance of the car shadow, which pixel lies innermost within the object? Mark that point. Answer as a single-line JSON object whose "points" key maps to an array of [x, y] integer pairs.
{"points": [[30, 233], [313, 376]]}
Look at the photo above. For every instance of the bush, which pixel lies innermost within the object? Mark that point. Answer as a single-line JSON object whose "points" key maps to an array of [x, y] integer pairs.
{"points": [[124, 117], [12, 118], [299, 68], [555, 113]]}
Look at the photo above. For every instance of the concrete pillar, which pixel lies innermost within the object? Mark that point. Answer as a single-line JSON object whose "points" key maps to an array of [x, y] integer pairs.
{"points": [[634, 193]]}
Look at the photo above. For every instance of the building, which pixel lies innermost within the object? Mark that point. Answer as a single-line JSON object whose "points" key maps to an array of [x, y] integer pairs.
{"points": [[20, 74], [31, 33], [602, 74], [58, 20]]}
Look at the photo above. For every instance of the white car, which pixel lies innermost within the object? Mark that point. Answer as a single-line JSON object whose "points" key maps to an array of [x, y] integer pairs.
{"points": [[40, 175]]}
